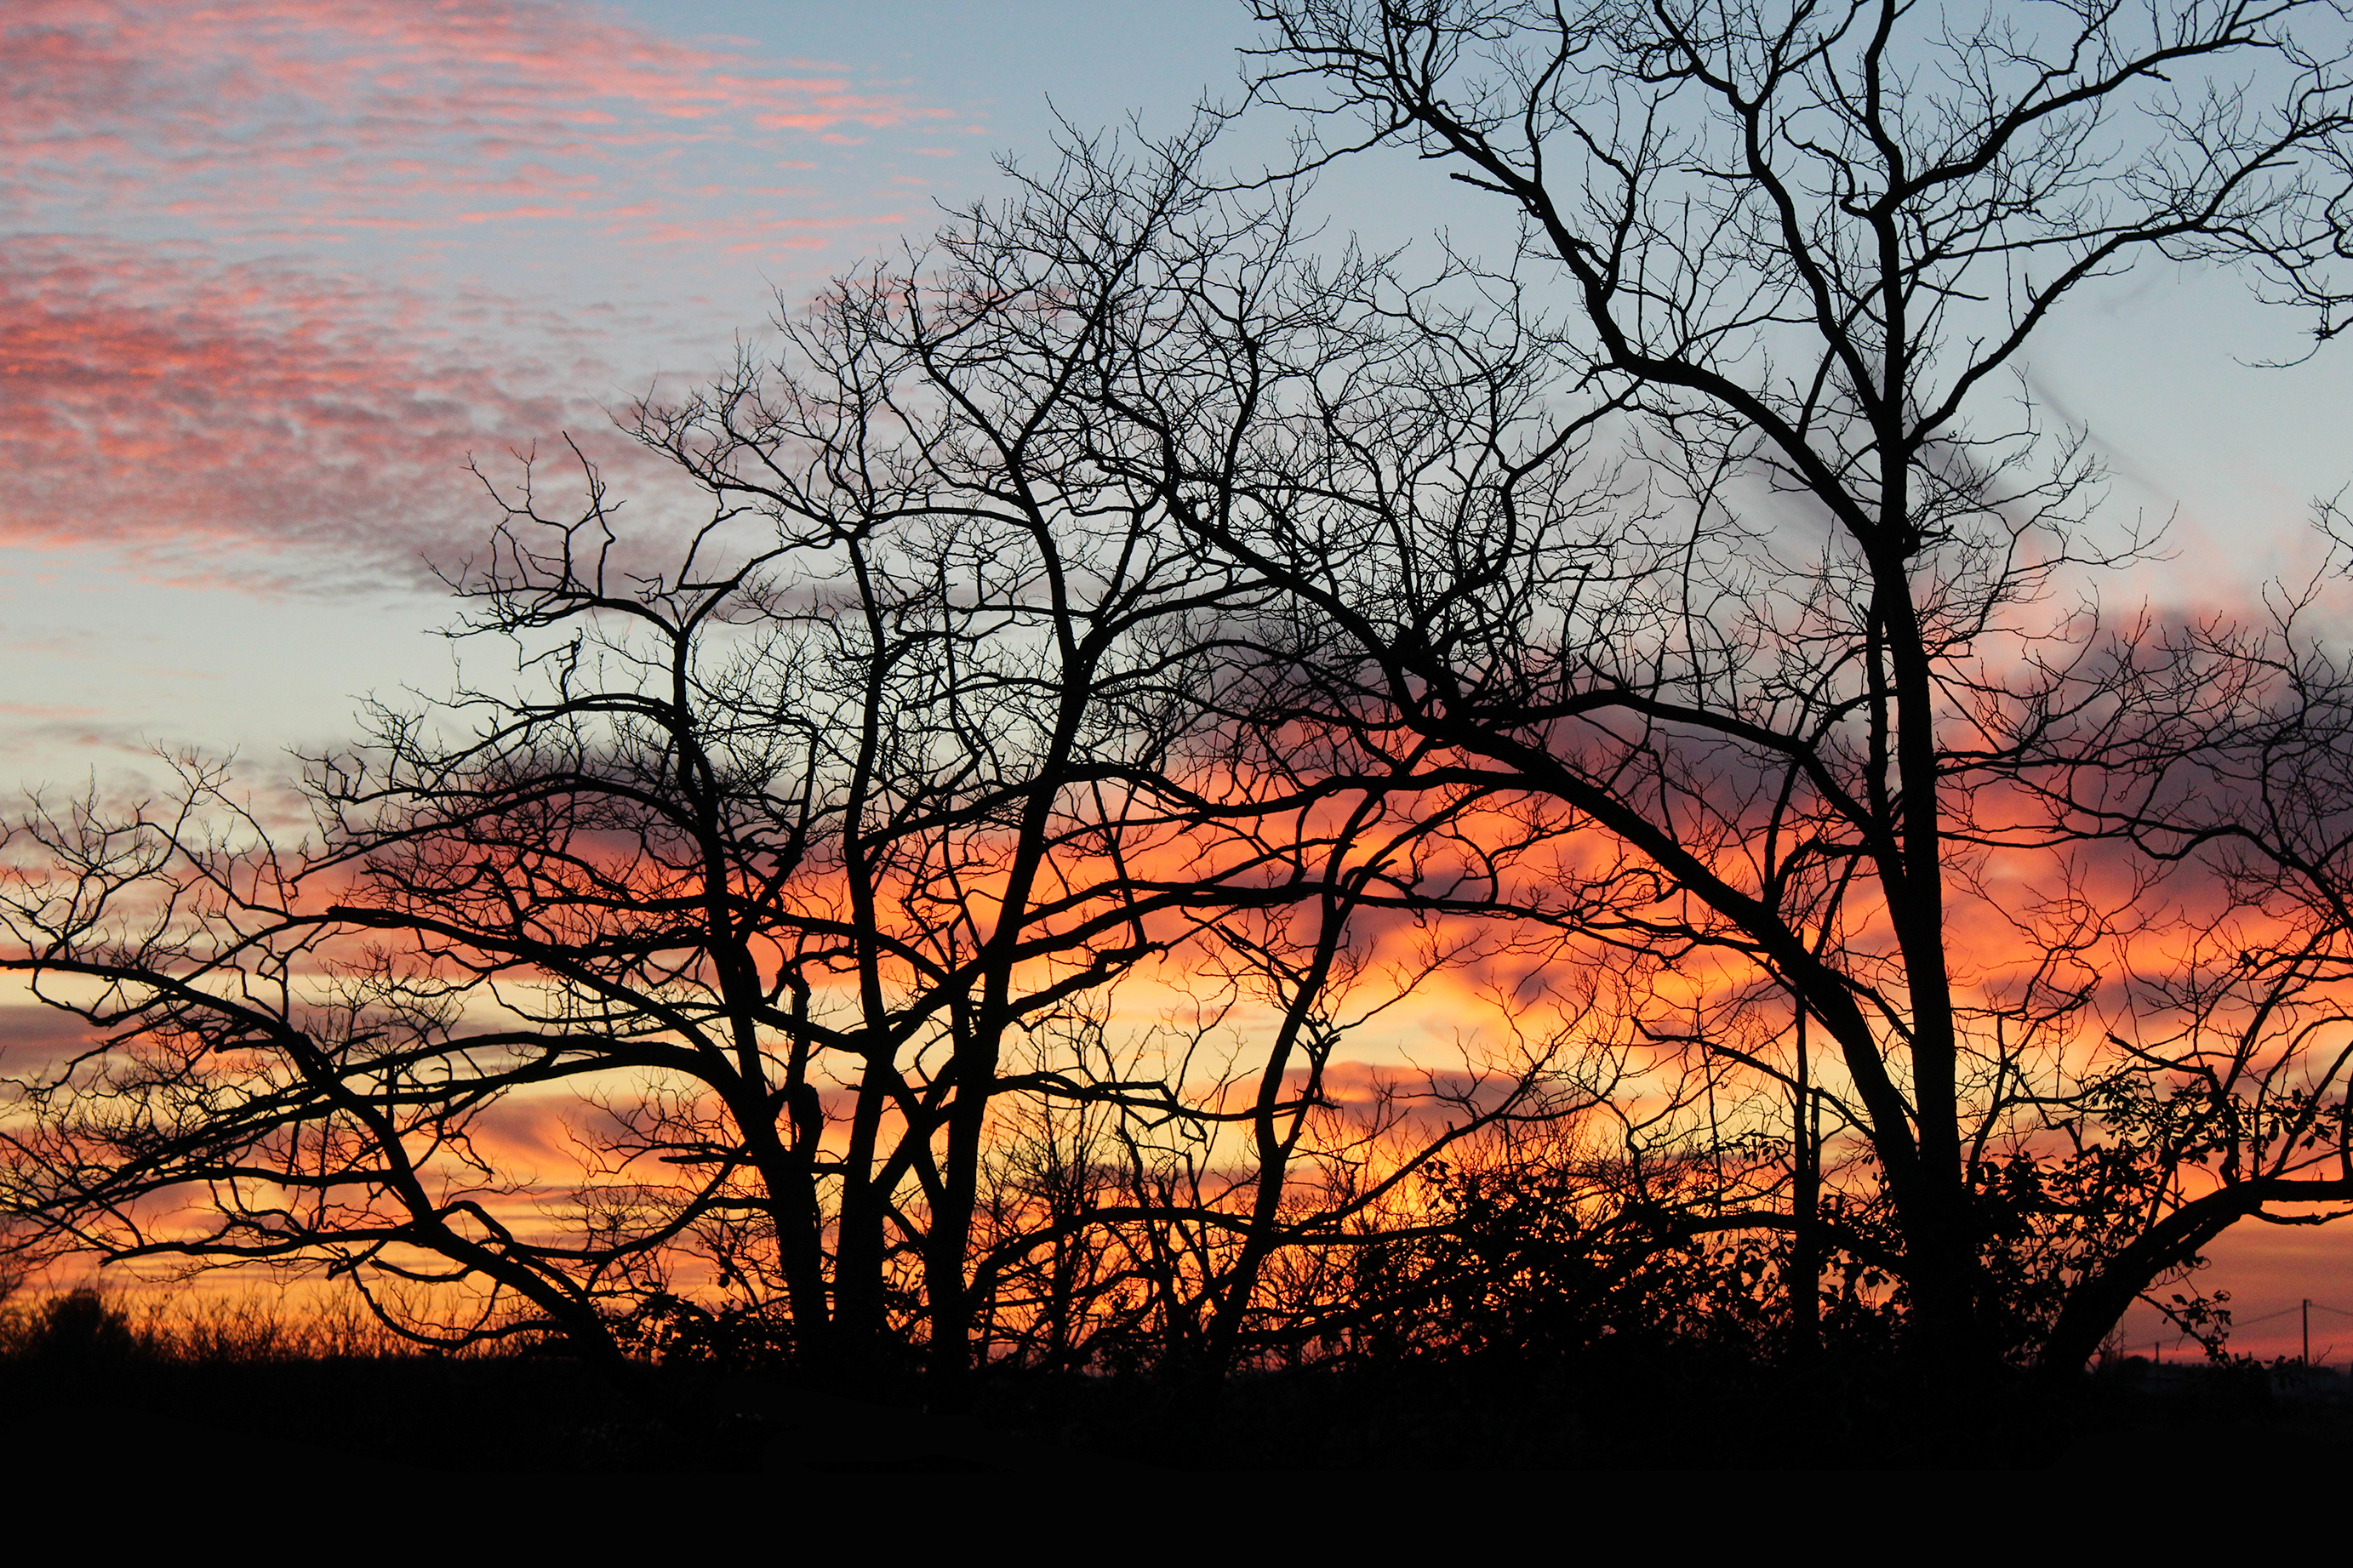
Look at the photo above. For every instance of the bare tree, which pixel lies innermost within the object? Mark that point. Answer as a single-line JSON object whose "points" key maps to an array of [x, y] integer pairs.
{"points": [[1797, 253], [870, 774], [2228, 1025], [808, 849], [314, 1099]]}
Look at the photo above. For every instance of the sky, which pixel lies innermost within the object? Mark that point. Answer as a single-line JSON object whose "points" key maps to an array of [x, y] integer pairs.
{"points": [[272, 270]]}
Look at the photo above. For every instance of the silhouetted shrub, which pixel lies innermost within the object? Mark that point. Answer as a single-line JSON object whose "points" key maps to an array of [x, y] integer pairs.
{"points": [[676, 1332], [80, 1326]]}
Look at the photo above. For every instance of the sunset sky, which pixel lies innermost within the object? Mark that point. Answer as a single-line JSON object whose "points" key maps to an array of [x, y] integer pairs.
{"points": [[271, 269]]}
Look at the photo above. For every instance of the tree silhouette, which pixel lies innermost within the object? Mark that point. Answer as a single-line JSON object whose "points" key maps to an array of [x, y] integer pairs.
{"points": [[1799, 250], [799, 847]]}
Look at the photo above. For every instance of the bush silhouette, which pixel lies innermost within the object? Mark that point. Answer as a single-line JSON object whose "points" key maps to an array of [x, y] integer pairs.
{"points": [[78, 1326]]}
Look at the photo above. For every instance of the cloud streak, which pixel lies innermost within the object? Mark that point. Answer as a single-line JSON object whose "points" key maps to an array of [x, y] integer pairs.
{"points": [[331, 111], [149, 397], [275, 268]]}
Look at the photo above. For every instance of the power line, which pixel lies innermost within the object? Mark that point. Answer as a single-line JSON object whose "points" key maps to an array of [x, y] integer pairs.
{"points": [[2267, 1316], [2304, 1306], [2286, 1311]]}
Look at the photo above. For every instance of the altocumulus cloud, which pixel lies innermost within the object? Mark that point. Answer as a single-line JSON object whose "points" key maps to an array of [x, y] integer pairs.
{"points": [[273, 269]]}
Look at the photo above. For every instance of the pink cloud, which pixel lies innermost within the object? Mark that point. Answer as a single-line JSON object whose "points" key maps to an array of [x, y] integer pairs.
{"points": [[756, 231], [35, 1038], [294, 361], [150, 397], [534, 1134], [276, 106], [525, 210]]}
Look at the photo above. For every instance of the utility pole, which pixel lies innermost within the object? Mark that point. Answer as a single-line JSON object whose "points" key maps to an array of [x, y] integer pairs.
{"points": [[2307, 1331]]}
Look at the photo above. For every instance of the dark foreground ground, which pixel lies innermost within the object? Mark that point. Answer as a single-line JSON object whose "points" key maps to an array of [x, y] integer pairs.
{"points": [[526, 1414]]}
